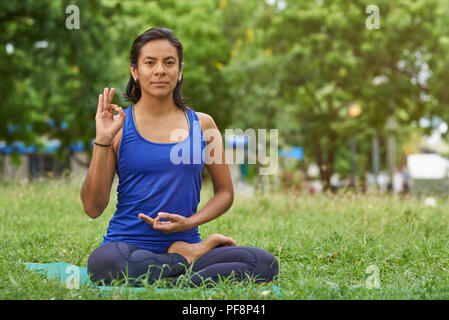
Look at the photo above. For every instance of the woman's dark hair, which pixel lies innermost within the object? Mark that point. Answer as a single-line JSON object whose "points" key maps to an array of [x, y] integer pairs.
{"points": [[133, 91]]}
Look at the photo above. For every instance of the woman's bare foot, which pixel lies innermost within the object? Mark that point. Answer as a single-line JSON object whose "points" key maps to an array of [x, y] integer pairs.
{"points": [[193, 251]]}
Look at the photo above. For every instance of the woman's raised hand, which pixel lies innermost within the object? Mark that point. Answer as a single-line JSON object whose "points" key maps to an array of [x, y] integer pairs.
{"points": [[107, 125]]}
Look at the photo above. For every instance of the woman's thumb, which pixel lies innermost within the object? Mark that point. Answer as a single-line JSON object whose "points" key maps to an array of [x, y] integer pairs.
{"points": [[165, 215], [120, 111]]}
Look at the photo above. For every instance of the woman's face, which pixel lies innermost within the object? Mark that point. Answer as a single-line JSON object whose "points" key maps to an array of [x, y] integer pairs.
{"points": [[157, 68]]}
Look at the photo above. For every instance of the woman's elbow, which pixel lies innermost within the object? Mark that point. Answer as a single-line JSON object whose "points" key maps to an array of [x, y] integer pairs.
{"points": [[92, 209], [93, 213], [230, 195]]}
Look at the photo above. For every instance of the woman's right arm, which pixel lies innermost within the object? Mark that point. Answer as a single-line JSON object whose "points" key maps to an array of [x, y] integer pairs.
{"points": [[97, 185]]}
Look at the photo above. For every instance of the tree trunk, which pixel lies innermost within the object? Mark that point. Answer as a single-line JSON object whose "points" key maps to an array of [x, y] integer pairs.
{"points": [[326, 166], [79, 161]]}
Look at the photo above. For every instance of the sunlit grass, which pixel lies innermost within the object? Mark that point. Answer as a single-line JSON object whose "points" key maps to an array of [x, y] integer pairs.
{"points": [[324, 244]]}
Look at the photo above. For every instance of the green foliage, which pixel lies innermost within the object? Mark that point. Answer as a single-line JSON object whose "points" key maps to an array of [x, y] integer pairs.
{"points": [[62, 80], [249, 64], [54, 72], [320, 57]]}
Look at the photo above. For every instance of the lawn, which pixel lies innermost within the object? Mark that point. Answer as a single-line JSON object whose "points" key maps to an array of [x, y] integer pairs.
{"points": [[329, 246]]}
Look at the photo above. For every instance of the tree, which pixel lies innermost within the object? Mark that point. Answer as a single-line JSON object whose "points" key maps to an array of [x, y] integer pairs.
{"points": [[52, 78], [324, 58]]}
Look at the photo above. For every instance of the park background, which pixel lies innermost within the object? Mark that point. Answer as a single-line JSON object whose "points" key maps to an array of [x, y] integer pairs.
{"points": [[352, 95]]}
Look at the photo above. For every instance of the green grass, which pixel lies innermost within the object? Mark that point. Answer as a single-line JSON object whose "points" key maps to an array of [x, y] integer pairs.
{"points": [[324, 244]]}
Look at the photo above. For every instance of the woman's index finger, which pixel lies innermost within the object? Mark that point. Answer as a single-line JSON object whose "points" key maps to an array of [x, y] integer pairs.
{"points": [[106, 99], [146, 218]]}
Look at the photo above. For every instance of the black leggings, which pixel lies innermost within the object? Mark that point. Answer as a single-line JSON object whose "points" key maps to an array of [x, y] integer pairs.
{"points": [[117, 259]]}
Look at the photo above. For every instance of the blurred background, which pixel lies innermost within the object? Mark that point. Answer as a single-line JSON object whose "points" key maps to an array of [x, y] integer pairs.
{"points": [[356, 89]]}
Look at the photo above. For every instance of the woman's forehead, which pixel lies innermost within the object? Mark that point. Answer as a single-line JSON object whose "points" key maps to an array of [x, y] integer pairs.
{"points": [[159, 49]]}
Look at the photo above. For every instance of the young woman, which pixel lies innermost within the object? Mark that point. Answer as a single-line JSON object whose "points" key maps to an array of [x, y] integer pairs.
{"points": [[154, 231]]}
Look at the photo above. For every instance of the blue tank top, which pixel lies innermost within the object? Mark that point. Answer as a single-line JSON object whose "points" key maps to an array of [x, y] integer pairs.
{"points": [[156, 177]]}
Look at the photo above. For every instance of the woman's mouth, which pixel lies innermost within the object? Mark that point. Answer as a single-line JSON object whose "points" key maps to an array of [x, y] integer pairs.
{"points": [[159, 84]]}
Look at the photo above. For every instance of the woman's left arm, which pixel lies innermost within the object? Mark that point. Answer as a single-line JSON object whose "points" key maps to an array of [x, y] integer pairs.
{"points": [[219, 172], [220, 175]]}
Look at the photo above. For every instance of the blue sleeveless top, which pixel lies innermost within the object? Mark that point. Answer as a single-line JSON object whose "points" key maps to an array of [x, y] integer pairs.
{"points": [[156, 177]]}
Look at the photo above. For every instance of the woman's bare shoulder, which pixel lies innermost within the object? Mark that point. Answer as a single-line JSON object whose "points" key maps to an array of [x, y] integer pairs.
{"points": [[206, 120], [208, 126]]}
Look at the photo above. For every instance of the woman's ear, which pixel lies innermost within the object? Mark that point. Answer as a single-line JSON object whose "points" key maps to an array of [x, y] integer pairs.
{"points": [[133, 71], [180, 71]]}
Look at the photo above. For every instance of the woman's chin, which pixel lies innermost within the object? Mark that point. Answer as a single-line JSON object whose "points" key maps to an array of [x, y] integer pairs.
{"points": [[160, 93]]}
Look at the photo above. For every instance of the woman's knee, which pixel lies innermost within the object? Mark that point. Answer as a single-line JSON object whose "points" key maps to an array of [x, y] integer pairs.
{"points": [[106, 263], [260, 264], [267, 266]]}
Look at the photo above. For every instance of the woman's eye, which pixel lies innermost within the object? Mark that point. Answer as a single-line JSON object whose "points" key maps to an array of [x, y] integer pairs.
{"points": [[151, 62]]}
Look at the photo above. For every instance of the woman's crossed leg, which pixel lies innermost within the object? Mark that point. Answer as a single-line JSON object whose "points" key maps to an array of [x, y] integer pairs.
{"points": [[119, 259]]}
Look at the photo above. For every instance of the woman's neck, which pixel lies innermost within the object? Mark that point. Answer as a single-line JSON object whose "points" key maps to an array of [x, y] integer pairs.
{"points": [[155, 107]]}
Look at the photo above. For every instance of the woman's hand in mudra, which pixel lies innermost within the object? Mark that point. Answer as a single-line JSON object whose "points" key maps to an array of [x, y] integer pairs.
{"points": [[176, 223]]}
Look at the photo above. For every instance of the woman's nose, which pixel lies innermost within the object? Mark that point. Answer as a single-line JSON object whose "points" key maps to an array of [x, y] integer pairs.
{"points": [[160, 69]]}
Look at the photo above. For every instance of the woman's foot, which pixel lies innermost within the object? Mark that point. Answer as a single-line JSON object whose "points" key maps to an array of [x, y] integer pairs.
{"points": [[193, 251]]}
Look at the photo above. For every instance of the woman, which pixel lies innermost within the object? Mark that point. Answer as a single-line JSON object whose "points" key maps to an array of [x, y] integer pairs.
{"points": [[154, 231]]}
